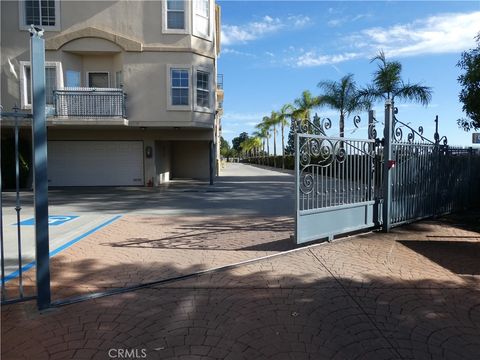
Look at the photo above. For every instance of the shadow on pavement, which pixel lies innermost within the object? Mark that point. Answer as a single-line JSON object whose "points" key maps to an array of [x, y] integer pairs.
{"points": [[285, 308]]}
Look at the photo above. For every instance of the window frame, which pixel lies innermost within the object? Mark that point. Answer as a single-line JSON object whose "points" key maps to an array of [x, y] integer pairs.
{"points": [[23, 81], [22, 21], [87, 78], [211, 99], [186, 12], [188, 68], [211, 10]]}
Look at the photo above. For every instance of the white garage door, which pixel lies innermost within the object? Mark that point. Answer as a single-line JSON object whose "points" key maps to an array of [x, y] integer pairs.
{"points": [[95, 163]]}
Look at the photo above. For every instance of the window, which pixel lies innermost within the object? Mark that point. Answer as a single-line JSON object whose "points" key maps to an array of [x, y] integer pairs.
{"points": [[202, 18], [53, 81], [175, 14], [98, 79], [180, 87], [119, 79], [203, 89], [44, 13], [73, 78]]}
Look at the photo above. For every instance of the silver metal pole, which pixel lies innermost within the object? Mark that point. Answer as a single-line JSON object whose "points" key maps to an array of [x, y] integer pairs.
{"points": [[18, 208], [40, 179], [387, 173]]}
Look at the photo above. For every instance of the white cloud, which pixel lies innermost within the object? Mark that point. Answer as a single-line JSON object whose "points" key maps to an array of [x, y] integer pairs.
{"points": [[437, 34], [236, 52], [312, 58], [443, 33], [243, 117], [241, 34]]}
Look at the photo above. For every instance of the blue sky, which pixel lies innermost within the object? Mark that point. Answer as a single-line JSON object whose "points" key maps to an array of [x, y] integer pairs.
{"points": [[273, 50]]}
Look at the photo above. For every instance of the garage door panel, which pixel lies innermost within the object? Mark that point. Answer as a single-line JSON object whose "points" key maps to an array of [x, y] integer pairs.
{"points": [[95, 163]]}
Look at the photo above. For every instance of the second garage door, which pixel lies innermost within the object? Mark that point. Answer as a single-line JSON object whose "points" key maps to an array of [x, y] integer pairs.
{"points": [[95, 163]]}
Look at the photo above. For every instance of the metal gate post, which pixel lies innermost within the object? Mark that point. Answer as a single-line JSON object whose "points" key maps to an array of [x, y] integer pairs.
{"points": [[211, 161], [40, 178], [387, 165]]}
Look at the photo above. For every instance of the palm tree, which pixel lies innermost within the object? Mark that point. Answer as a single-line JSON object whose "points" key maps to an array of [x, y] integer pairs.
{"points": [[388, 84], [273, 121], [303, 105], [342, 96], [262, 134], [284, 113], [264, 126]]}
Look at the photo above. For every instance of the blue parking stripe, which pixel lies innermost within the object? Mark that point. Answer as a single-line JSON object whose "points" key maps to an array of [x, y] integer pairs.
{"points": [[28, 266]]}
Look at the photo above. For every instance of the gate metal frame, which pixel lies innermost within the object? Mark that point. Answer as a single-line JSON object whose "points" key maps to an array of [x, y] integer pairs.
{"points": [[409, 179], [336, 184]]}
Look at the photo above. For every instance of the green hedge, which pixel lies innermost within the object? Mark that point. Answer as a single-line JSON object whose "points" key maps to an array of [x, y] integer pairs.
{"points": [[269, 161]]}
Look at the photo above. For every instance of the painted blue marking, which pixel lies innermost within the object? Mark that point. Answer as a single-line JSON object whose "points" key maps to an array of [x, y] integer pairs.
{"points": [[28, 266], [53, 220]]}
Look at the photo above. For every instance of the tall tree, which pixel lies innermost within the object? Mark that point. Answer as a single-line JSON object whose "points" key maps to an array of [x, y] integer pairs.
{"points": [[343, 97], [388, 84], [237, 141], [225, 149], [274, 121], [284, 114], [470, 83], [264, 127], [304, 105], [290, 148]]}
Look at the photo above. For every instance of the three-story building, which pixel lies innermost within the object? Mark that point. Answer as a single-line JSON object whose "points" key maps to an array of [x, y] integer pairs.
{"points": [[131, 87]]}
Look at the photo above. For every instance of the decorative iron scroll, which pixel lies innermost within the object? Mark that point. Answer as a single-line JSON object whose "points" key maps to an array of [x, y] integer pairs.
{"points": [[326, 153], [319, 125], [413, 135]]}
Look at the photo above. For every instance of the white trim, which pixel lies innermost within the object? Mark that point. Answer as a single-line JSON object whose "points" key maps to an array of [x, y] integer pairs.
{"points": [[169, 87], [87, 81], [211, 17], [187, 19], [23, 83], [24, 26], [211, 99]]}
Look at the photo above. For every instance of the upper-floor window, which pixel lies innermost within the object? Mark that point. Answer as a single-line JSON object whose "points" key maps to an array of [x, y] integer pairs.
{"points": [[202, 18], [43, 13], [53, 81], [180, 87], [203, 89], [175, 14]]}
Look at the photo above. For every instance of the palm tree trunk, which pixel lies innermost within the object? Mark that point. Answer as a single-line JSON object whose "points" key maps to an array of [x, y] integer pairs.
{"points": [[274, 147], [268, 151], [283, 146], [342, 125]]}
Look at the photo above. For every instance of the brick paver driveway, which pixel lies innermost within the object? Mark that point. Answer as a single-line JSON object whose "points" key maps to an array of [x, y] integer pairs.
{"points": [[172, 230], [414, 293], [411, 294]]}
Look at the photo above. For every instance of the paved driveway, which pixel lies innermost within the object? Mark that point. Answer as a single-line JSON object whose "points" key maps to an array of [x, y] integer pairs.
{"points": [[134, 234], [411, 294]]}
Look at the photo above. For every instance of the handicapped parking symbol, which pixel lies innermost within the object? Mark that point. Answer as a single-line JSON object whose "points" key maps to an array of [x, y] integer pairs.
{"points": [[53, 220]]}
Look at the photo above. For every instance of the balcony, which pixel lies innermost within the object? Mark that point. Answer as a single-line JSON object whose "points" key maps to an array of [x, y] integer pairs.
{"points": [[90, 103], [220, 94]]}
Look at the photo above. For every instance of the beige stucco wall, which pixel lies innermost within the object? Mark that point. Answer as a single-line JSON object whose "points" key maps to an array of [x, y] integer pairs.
{"points": [[144, 71]]}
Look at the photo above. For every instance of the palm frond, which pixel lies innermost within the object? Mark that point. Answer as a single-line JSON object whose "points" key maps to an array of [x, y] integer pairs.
{"points": [[414, 92]]}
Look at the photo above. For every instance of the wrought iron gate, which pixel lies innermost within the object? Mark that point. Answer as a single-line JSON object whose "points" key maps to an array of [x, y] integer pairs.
{"points": [[344, 185], [338, 182]]}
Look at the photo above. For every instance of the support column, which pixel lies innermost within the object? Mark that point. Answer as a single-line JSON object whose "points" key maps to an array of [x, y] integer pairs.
{"points": [[212, 161], [387, 166], [40, 178]]}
